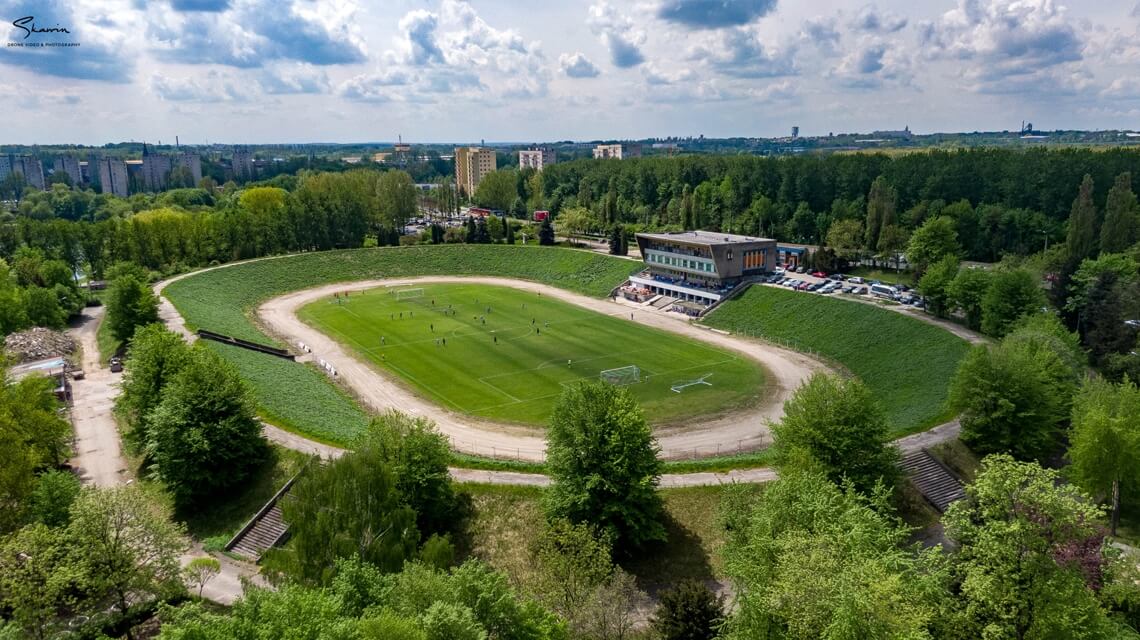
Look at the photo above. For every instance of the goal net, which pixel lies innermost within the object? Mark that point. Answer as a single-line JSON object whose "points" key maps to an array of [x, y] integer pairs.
{"points": [[622, 375], [404, 294]]}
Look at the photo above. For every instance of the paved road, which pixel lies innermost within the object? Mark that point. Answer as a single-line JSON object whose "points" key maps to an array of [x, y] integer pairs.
{"points": [[737, 431], [98, 452]]}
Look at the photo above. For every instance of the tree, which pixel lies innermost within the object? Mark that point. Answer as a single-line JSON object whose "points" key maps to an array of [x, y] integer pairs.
{"points": [[834, 425], [572, 561], [130, 304], [935, 285], [200, 571], [35, 437], [1008, 400], [546, 233], [127, 545], [1121, 228], [418, 456], [892, 242], [1032, 555], [510, 235], [935, 239], [812, 560], [1011, 295], [347, 508], [688, 611], [37, 578], [204, 436], [497, 190], [1105, 440], [603, 464], [967, 291], [881, 204], [396, 194], [42, 308], [156, 356], [575, 221], [618, 245], [1083, 233], [846, 238], [55, 492]]}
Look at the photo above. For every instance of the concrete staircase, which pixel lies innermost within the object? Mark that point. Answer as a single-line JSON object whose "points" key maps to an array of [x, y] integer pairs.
{"points": [[266, 529], [933, 480]]}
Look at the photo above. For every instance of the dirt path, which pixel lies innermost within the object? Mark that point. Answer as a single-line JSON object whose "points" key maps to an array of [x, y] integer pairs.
{"points": [[98, 451], [738, 431]]}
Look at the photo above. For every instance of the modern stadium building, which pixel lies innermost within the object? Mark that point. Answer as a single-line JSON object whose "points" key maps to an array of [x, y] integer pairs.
{"points": [[700, 266]]}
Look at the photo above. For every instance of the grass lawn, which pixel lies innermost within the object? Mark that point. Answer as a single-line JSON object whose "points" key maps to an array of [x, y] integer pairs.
{"points": [[223, 300], [505, 354], [505, 520], [907, 363]]}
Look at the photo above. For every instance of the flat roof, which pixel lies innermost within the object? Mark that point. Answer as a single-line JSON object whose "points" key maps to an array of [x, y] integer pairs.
{"points": [[704, 237]]}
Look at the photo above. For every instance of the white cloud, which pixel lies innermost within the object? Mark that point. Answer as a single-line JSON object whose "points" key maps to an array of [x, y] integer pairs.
{"points": [[618, 33], [740, 53], [577, 65], [212, 87]]}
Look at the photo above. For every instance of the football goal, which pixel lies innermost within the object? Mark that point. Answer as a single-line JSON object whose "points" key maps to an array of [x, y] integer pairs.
{"points": [[622, 375], [678, 387], [405, 294]]}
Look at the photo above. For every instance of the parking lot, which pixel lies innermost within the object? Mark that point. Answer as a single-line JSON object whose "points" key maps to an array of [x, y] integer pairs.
{"points": [[840, 284]]}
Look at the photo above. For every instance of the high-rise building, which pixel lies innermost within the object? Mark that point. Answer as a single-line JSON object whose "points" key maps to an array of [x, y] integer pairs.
{"points": [[242, 165], [536, 158], [31, 168], [471, 165], [617, 151], [70, 166], [191, 162], [154, 170], [795, 132], [113, 177]]}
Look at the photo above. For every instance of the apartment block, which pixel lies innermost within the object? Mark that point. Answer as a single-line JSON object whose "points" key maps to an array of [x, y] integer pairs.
{"points": [[617, 151], [536, 158], [70, 166], [113, 177], [471, 165]]}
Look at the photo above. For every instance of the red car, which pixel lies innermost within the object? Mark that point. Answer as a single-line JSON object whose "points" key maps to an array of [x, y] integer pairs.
{"points": [[819, 274]]}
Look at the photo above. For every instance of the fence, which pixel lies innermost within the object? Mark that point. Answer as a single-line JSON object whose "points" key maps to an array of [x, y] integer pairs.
{"points": [[246, 344], [513, 454]]}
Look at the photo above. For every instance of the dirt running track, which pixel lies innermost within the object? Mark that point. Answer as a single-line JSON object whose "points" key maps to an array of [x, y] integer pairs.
{"points": [[738, 431]]}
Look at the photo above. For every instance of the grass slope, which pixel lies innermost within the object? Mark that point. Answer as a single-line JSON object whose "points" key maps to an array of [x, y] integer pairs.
{"points": [[907, 363], [508, 353], [303, 400]]}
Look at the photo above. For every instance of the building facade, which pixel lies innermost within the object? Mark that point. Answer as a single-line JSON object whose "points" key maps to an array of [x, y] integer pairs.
{"points": [[70, 166], [29, 167], [471, 165], [242, 165], [536, 158], [617, 151], [155, 168], [191, 162], [701, 266], [113, 177]]}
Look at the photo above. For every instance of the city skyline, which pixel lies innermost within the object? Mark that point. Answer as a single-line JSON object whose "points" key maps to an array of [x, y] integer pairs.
{"points": [[244, 71]]}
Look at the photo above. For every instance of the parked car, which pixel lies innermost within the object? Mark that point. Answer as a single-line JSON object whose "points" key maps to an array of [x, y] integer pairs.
{"points": [[861, 291], [116, 364], [819, 274], [799, 269], [856, 280]]}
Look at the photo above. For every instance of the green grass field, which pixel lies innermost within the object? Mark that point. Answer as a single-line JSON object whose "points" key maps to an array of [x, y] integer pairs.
{"points": [[907, 363], [505, 354]]}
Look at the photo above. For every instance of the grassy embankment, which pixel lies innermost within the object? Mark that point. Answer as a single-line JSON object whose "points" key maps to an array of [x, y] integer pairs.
{"points": [[907, 363]]}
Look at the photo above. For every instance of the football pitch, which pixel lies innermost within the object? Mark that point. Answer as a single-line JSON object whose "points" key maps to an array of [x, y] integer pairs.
{"points": [[504, 354]]}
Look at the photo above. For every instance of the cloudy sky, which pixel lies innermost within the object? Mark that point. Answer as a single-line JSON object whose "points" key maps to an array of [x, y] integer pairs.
{"points": [[503, 70]]}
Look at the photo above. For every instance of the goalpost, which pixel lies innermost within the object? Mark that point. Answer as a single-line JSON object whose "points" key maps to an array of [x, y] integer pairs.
{"points": [[405, 294], [678, 387], [622, 375]]}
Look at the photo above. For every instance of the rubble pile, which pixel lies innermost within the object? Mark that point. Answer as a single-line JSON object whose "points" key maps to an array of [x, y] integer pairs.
{"points": [[38, 344]]}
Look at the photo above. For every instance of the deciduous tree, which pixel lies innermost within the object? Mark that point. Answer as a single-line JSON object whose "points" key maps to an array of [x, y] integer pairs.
{"points": [[833, 424], [603, 463], [130, 304], [1010, 296], [1104, 445], [1121, 228]]}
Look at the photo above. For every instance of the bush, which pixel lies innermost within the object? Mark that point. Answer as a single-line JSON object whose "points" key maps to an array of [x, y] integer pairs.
{"points": [[688, 611]]}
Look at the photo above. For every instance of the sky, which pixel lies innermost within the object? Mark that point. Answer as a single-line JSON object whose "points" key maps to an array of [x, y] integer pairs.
{"points": [[291, 71]]}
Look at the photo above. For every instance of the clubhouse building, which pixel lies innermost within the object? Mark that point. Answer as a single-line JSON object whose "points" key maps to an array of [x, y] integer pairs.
{"points": [[700, 266]]}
